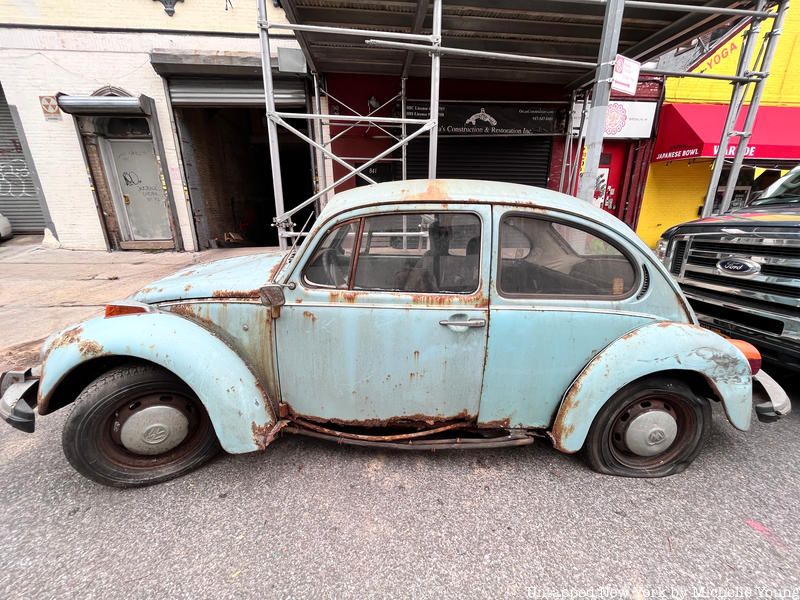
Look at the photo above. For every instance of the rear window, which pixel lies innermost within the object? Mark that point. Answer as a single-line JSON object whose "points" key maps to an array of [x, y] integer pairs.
{"points": [[540, 257]]}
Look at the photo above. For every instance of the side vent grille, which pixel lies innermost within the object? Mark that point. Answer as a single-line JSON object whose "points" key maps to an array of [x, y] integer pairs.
{"points": [[677, 260], [645, 283]]}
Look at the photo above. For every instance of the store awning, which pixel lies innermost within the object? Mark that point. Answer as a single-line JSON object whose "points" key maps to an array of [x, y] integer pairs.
{"points": [[687, 131], [106, 106]]}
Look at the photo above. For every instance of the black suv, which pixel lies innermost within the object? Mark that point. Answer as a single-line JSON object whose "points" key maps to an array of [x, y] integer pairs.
{"points": [[741, 271]]}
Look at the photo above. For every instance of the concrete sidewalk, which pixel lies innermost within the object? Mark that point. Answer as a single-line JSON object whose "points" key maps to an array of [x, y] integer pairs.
{"points": [[43, 290]]}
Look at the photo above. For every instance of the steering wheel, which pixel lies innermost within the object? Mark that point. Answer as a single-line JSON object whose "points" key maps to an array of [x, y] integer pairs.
{"points": [[332, 266]]}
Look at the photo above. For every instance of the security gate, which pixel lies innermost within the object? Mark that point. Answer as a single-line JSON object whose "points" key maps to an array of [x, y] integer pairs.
{"points": [[20, 197]]}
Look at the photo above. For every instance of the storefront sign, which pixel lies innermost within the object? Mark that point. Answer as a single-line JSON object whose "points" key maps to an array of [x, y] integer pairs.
{"points": [[687, 131], [624, 119], [626, 75], [493, 119]]}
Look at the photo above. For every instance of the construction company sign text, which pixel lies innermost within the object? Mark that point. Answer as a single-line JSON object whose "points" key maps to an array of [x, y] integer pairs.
{"points": [[750, 152]]}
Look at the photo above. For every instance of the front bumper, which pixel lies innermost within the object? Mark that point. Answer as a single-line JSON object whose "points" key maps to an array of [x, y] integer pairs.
{"points": [[770, 399], [18, 390]]}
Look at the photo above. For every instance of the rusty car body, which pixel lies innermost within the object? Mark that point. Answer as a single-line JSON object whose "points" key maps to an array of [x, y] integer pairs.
{"points": [[423, 314]]}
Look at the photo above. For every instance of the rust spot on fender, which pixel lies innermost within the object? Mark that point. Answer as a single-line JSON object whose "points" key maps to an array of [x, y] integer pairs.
{"points": [[310, 316], [187, 287], [561, 429], [70, 336], [90, 348], [264, 435]]}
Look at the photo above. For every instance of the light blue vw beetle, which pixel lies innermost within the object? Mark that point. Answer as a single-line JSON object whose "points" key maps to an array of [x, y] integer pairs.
{"points": [[424, 314]]}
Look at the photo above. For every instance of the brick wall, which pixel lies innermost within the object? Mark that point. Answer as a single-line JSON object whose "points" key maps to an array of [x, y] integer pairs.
{"points": [[237, 16], [36, 63]]}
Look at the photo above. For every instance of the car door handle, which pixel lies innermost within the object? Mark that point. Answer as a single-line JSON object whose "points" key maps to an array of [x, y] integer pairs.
{"points": [[463, 322]]}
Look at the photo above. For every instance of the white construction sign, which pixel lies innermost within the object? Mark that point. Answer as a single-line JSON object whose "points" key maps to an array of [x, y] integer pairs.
{"points": [[626, 75]]}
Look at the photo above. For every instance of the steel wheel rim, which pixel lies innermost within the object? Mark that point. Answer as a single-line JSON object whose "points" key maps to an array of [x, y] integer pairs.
{"points": [[197, 424], [658, 410]]}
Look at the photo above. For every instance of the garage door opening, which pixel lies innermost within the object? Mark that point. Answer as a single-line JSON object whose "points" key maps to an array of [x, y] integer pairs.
{"points": [[226, 158], [523, 159]]}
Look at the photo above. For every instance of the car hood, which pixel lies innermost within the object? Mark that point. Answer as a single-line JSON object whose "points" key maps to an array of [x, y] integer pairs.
{"points": [[239, 277], [756, 216]]}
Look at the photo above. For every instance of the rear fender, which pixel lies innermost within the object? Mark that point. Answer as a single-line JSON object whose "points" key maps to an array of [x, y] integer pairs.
{"points": [[239, 408], [648, 350]]}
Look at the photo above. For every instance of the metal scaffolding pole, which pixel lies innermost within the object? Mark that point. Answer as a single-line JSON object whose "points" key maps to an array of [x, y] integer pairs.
{"points": [[403, 131], [752, 109], [738, 95], [272, 130], [601, 94], [321, 176], [436, 42]]}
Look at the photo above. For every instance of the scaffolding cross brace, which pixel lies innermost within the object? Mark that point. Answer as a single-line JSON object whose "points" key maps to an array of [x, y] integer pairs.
{"points": [[591, 130]]}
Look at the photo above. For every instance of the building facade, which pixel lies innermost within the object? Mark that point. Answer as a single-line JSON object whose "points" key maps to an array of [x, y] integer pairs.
{"points": [[140, 122], [690, 126]]}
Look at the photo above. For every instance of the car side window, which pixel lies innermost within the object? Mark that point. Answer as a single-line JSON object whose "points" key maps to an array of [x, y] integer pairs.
{"points": [[330, 264], [420, 252], [550, 258]]}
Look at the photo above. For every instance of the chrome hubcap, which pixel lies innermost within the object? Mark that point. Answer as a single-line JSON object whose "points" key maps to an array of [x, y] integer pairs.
{"points": [[154, 430], [651, 433]]}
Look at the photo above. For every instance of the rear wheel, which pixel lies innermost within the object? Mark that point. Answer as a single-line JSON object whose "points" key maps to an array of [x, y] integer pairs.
{"points": [[137, 425], [652, 428]]}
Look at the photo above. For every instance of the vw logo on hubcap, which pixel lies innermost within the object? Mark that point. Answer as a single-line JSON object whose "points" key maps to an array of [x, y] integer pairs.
{"points": [[155, 434]]}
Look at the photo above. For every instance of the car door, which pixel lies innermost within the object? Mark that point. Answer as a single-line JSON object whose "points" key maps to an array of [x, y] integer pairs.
{"points": [[388, 319], [563, 289]]}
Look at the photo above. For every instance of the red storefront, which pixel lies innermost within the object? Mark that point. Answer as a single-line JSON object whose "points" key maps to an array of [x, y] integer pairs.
{"points": [[496, 130]]}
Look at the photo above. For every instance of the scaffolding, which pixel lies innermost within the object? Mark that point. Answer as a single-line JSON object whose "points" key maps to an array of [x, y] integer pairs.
{"points": [[596, 87]]}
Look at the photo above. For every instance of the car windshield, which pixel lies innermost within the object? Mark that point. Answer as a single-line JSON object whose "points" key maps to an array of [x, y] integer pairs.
{"points": [[785, 190]]}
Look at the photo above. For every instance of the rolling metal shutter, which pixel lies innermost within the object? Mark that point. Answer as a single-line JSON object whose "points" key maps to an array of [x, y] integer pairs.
{"points": [[510, 159], [20, 198], [235, 92]]}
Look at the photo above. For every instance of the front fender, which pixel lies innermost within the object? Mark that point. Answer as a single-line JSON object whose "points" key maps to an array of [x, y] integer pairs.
{"points": [[240, 410], [648, 350]]}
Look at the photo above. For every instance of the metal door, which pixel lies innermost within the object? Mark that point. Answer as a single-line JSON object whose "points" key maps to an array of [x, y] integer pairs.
{"points": [[359, 356], [139, 196], [20, 196]]}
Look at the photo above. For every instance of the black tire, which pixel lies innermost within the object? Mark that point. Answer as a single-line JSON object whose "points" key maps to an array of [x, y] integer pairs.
{"points": [[606, 448], [91, 434]]}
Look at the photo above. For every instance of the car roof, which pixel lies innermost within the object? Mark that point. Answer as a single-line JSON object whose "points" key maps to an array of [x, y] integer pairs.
{"points": [[468, 191]]}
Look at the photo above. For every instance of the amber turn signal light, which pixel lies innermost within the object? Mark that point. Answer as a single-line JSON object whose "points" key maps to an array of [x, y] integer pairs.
{"points": [[117, 310], [751, 353]]}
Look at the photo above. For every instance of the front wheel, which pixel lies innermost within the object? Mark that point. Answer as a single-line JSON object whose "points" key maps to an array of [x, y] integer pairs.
{"points": [[137, 425], [652, 428]]}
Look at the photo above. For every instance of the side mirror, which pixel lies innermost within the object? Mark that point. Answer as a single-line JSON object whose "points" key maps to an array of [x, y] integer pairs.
{"points": [[272, 296]]}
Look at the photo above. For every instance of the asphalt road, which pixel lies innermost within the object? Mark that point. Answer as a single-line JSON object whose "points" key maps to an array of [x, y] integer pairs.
{"points": [[312, 519]]}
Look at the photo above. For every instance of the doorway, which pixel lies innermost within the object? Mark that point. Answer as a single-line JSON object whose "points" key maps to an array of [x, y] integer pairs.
{"points": [[226, 160]]}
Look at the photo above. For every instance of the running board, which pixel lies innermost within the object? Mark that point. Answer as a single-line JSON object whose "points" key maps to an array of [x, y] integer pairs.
{"points": [[514, 439]]}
